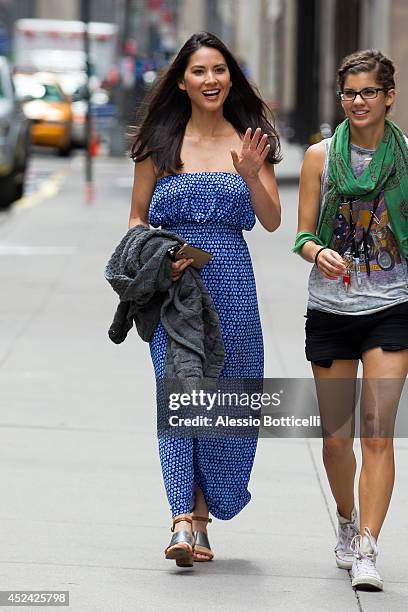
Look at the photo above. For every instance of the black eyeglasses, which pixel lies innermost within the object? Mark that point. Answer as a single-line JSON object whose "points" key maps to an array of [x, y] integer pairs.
{"points": [[368, 93]]}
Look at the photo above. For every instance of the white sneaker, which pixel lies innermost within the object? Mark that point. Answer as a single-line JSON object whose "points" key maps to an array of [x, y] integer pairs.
{"points": [[364, 574], [347, 530]]}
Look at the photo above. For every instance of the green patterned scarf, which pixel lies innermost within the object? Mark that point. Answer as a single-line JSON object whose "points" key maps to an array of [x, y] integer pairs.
{"points": [[388, 171]]}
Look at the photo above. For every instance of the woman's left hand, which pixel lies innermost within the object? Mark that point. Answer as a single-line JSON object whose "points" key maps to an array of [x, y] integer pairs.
{"points": [[252, 156]]}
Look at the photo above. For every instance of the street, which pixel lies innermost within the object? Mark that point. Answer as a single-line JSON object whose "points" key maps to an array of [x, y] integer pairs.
{"points": [[83, 505]]}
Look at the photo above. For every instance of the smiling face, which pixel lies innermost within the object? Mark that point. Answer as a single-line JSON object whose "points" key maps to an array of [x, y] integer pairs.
{"points": [[207, 79], [366, 112]]}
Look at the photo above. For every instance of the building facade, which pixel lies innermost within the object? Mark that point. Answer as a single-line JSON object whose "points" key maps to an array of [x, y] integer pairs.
{"points": [[290, 48], [316, 35]]}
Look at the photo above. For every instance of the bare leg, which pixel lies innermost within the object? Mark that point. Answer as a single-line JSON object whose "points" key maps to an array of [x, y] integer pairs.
{"points": [[336, 394], [384, 377]]}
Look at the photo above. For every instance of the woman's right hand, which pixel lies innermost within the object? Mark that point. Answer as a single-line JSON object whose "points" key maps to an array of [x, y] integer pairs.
{"points": [[330, 264], [177, 267]]}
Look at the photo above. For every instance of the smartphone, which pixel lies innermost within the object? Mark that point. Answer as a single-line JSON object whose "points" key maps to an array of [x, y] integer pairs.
{"points": [[186, 251]]}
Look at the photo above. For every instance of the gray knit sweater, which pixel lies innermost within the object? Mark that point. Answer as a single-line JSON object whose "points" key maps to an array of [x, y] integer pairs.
{"points": [[140, 273]]}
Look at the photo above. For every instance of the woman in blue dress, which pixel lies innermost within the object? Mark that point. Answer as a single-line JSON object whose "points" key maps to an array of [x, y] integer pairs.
{"points": [[205, 154]]}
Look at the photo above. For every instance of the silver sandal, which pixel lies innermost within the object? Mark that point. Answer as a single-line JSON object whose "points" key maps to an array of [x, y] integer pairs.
{"points": [[201, 541], [177, 548]]}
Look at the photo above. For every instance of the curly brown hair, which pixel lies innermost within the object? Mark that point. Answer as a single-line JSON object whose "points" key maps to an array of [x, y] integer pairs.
{"points": [[367, 61]]}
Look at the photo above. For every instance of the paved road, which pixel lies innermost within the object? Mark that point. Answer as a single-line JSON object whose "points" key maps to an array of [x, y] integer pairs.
{"points": [[83, 507]]}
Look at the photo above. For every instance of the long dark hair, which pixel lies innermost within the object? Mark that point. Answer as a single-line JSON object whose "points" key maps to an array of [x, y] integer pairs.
{"points": [[168, 110]]}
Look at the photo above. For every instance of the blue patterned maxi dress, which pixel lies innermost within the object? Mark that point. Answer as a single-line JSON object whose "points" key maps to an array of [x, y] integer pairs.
{"points": [[210, 210]]}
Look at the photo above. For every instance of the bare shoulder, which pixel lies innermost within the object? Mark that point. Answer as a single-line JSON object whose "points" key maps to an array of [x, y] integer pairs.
{"points": [[145, 171], [316, 152], [315, 157]]}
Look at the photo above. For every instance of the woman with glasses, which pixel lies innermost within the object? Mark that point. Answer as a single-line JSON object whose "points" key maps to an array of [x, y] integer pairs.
{"points": [[353, 226]]}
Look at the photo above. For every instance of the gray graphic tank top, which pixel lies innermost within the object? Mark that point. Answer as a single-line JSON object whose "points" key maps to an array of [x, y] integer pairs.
{"points": [[360, 243]]}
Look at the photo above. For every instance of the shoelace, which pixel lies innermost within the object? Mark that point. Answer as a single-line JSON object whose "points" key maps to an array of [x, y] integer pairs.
{"points": [[365, 561], [345, 532], [357, 540], [356, 543]]}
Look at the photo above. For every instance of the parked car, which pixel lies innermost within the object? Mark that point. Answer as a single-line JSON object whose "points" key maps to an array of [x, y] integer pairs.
{"points": [[48, 108], [14, 139]]}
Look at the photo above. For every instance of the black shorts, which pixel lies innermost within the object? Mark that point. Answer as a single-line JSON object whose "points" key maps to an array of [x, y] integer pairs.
{"points": [[331, 336]]}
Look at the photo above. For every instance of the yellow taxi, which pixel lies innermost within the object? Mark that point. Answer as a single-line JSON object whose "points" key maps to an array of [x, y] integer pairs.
{"points": [[48, 108]]}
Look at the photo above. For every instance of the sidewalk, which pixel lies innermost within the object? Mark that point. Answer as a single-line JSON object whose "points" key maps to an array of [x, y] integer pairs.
{"points": [[83, 506]]}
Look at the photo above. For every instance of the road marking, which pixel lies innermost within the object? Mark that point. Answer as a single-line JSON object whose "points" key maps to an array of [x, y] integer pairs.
{"points": [[48, 189]]}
